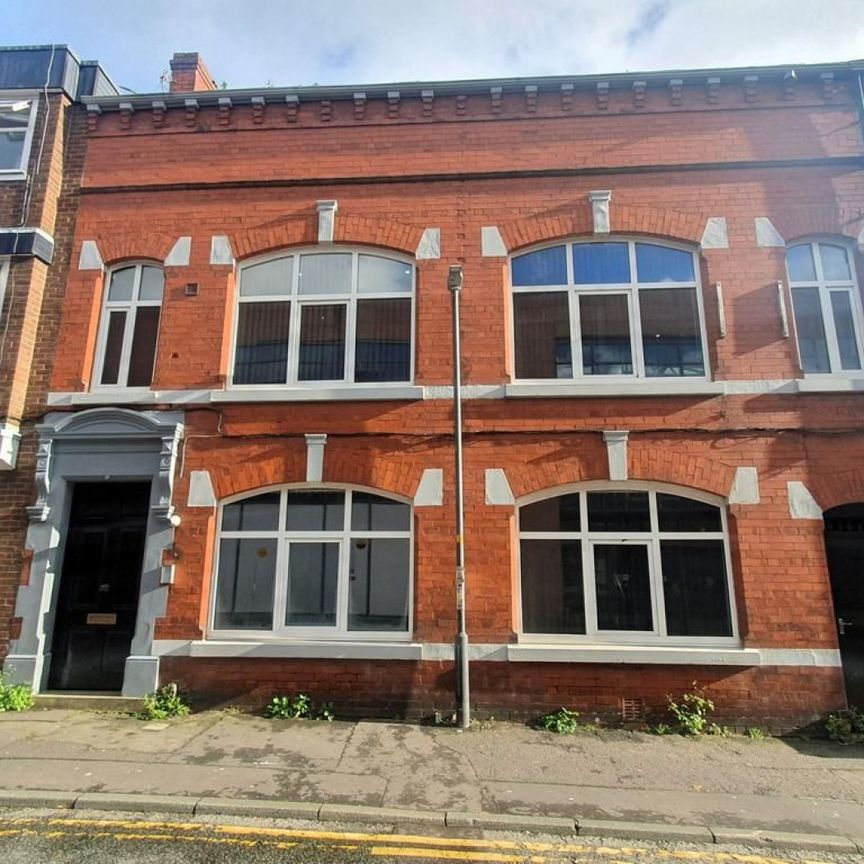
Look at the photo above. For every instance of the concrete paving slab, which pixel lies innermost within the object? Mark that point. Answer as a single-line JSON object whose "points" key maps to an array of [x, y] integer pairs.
{"points": [[258, 809], [136, 803], [784, 839], [379, 815], [37, 798], [644, 831], [510, 822]]}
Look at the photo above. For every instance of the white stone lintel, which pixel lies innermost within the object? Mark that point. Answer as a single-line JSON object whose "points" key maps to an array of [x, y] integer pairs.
{"points": [[201, 492], [745, 486], [429, 246], [616, 451], [715, 235], [600, 199], [492, 243], [90, 257], [220, 250], [430, 489], [180, 253], [326, 220], [767, 234], [498, 491], [10, 437], [315, 457], [802, 504]]}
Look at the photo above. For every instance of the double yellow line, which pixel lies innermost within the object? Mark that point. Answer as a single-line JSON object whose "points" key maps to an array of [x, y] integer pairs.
{"points": [[391, 845]]}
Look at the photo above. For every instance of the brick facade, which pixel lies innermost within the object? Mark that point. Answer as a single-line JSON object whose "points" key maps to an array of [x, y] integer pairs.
{"points": [[253, 172]]}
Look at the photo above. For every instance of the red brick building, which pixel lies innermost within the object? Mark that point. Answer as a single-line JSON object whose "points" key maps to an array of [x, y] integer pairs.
{"points": [[250, 417]]}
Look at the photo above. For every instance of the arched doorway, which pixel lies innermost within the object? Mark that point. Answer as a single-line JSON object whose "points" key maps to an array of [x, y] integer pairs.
{"points": [[844, 547]]}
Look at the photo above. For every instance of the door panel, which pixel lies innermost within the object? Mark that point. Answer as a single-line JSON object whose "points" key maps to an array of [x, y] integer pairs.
{"points": [[844, 546], [98, 600]]}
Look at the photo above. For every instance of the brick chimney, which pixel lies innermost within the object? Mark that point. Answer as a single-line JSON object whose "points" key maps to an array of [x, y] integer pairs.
{"points": [[188, 72]]}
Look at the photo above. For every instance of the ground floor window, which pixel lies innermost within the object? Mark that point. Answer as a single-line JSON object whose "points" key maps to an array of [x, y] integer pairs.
{"points": [[326, 562], [625, 565]]}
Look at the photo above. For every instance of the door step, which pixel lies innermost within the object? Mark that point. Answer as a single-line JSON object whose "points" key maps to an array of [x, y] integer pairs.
{"points": [[88, 701]]}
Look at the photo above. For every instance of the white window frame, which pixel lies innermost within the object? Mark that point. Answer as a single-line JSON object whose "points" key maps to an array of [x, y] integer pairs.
{"points": [[298, 301], [11, 98], [5, 267], [131, 308], [588, 539], [826, 288], [630, 289], [340, 632]]}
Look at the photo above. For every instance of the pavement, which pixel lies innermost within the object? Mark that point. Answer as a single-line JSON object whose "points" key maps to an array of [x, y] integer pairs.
{"points": [[793, 793]]}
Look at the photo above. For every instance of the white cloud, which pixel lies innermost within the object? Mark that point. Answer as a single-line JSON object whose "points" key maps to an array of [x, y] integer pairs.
{"points": [[287, 42]]}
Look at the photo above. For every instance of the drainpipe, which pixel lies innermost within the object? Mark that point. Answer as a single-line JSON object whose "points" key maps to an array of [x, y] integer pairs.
{"points": [[454, 283]]}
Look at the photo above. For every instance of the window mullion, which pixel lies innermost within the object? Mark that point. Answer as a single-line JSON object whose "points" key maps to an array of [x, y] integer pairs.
{"points": [[576, 367], [126, 351], [830, 328], [344, 584], [636, 332], [350, 339], [589, 586], [655, 564], [294, 340]]}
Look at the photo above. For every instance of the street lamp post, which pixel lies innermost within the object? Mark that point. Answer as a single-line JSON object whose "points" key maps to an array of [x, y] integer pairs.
{"points": [[454, 283]]}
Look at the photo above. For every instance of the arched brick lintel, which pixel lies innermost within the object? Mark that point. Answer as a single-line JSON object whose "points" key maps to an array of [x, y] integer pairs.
{"points": [[303, 231], [796, 223], [118, 247], [837, 488], [625, 219]]}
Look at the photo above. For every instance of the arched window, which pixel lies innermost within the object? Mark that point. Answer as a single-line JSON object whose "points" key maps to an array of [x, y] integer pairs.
{"points": [[130, 326], [314, 563], [827, 307], [608, 309], [625, 565], [335, 316]]}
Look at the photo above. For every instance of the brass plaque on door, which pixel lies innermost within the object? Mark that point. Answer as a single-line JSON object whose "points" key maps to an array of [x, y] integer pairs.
{"points": [[108, 618]]}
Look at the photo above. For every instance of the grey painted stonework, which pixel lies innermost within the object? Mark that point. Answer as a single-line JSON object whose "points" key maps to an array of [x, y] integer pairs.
{"points": [[600, 200], [180, 253], [802, 504], [492, 243], [429, 246], [745, 486], [201, 492], [767, 234], [326, 220], [715, 235], [97, 445], [616, 452], [90, 257], [498, 491], [430, 489], [220, 250], [315, 457]]}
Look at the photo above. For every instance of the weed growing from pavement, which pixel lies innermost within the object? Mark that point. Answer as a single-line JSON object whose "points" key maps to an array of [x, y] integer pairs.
{"points": [[846, 727], [296, 707], [754, 733], [563, 721], [164, 704], [15, 697], [692, 710]]}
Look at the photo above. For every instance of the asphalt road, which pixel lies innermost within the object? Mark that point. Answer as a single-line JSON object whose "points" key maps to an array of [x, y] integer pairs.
{"points": [[57, 839]]}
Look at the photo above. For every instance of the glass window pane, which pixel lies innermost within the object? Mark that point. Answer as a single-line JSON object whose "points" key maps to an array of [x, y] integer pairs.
{"points": [[271, 277], [662, 264], [605, 324], [695, 592], [799, 262], [143, 354], [14, 121], [835, 263], [671, 338], [322, 343], [244, 586], [623, 587], [841, 306], [261, 356], [544, 267], [618, 511], [812, 344], [313, 571], [375, 513], [325, 274], [606, 263], [383, 349], [315, 511], [122, 284], [541, 324], [675, 513], [553, 599], [113, 348], [551, 514], [378, 587], [260, 513], [378, 275], [152, 283]]}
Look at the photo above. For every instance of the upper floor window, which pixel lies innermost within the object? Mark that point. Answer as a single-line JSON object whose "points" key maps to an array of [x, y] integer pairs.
{"points": [[324, 562], [325, 316], [625, 565], [618, 308], [827, 307], [130, 326], [4, 275], [16, 131]]}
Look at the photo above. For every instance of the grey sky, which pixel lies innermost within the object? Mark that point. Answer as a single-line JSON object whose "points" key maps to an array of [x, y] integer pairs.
{"points": [[286, 42]]}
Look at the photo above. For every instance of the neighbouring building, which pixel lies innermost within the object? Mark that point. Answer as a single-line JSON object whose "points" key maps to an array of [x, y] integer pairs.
{"points": [[41, 158], [245, 480]]}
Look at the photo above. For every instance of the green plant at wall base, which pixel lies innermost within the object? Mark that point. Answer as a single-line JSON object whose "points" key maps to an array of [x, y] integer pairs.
{"points": [[692, 710], [660, 729], [15, 697], [846, 727], [289, 707], [563, 721], [754, 733], [164, 704], [325, 712]]}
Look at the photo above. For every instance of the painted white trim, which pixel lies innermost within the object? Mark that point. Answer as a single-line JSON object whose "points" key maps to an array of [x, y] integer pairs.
{"points": [[606, 389], [715, 235], [429, 247], [633, 654], [326, 220], [326, 393], [498, 491], [90, 258], [315, 444], [817, 657], [201, 492], [767, 234], [492, 243], [329, 650], [20, 172], [802, 504], [469, 391], [5, 267], [616, 453], [220, 250], [10, 437], [430, 489], [600, 200], [180, 253], [745, 486]]}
